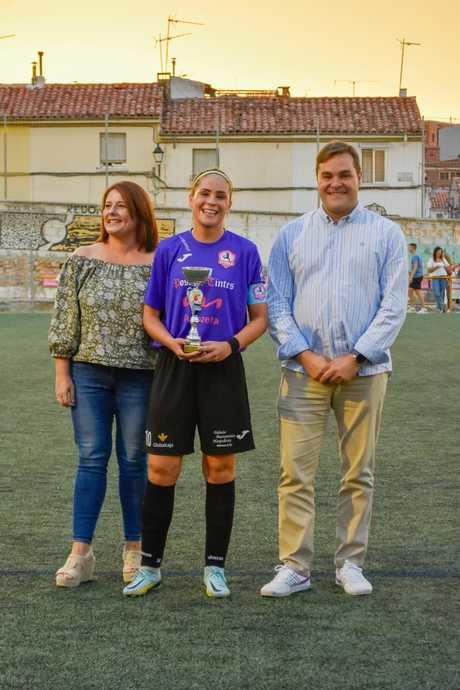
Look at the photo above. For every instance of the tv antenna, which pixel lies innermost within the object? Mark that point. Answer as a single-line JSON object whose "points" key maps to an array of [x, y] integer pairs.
{"points": [[354, 82], [168, 38], [7, 36], [403, 44]]}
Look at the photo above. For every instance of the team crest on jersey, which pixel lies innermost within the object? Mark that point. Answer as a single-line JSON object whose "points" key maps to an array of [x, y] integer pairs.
{"points": [[227, 259], [259, 292]]}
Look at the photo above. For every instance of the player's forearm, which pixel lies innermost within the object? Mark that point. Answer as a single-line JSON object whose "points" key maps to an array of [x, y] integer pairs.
{"points": [[156, 329], [253, 330]]}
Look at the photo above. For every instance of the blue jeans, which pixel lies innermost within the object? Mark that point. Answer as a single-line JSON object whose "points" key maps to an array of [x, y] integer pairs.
{"points": [[438, 288], [103, 394]]}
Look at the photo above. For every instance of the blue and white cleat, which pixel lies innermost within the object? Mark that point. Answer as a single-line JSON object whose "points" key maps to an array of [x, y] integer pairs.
{"points": [[215, 583], [145, 579]]}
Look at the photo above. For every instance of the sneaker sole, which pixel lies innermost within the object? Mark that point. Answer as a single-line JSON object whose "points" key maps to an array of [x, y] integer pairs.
{"points": [[62, 582], [293, 590], [215, 595], [142, 590], [352, 594]]}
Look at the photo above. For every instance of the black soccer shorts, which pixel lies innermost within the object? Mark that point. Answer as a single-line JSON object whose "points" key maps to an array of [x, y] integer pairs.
{"points": [[212, 397]]}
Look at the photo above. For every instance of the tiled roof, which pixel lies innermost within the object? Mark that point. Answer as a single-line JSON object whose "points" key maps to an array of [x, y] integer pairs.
{"points": [[275, 115], [439, 199], [80, 101]]}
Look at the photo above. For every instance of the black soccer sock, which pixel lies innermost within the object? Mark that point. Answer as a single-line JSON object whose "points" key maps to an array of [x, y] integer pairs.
{"points": [[157, 511], [220, 504]]}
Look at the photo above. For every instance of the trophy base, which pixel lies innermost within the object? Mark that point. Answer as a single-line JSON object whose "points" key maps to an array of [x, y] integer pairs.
{"points": [[191, 347]]}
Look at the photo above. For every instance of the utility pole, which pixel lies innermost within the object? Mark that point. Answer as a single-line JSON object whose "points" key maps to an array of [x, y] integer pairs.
{"points": [[354, 82], [403, 44]]}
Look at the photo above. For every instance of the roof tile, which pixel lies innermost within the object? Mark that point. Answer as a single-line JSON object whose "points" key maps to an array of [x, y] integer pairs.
{"points": [[80, 101], [278, 116]]}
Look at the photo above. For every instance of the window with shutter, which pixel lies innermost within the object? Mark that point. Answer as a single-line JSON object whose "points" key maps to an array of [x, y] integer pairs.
{"points": [[379, 167], [112, 148], [367, 165], [203, 159], [373, 165]]}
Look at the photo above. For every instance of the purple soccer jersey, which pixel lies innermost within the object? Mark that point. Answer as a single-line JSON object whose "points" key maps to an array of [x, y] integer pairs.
{"points": [[236, 281]]}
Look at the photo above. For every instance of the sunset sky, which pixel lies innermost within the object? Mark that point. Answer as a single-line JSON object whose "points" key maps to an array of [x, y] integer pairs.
{"points": [[245, 45]]}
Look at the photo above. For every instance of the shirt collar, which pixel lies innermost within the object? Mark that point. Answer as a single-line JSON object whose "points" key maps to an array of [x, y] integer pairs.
{"points": [[345, 219]]}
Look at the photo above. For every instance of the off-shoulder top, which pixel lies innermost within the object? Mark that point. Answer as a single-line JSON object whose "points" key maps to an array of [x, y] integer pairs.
{"points": [[97, 314]]}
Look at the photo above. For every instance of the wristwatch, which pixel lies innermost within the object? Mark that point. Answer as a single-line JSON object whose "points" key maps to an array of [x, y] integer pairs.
{"points": [[360, 359]]}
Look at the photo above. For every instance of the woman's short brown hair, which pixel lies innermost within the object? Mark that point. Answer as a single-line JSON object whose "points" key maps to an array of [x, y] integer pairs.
{"points": [[140, 209], [335, 148]]}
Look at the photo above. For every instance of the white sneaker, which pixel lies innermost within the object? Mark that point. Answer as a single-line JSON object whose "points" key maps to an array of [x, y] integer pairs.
{"points": [[350, 577], [285, 582], [422, 310]]}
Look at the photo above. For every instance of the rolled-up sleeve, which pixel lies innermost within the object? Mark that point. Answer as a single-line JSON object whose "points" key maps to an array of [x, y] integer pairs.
{"points": [[64, 330], [283, 328], [387, 322]]}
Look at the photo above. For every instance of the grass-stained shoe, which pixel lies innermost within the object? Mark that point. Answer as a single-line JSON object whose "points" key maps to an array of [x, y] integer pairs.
{"points": [[215, 583], [76, 569], [131, 563], [145, 579]]}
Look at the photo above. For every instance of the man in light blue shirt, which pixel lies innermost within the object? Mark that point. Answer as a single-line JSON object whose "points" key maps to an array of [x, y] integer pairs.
{"points": [[337, 300]]}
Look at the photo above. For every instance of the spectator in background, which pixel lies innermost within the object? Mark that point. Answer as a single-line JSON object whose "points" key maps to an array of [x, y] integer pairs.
{"points": [[438, 267], [415, 280]]}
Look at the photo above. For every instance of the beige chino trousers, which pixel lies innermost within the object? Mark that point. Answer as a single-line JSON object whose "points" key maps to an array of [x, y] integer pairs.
{"points": [[304, 406]]}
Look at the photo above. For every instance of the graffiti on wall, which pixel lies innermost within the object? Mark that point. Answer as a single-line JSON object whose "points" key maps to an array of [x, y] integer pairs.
{"points": [[34, 244], [428, 234]]}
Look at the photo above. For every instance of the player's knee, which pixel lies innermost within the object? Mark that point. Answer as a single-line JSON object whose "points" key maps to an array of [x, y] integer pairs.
{"points": [[219, 470], [163, 471]]}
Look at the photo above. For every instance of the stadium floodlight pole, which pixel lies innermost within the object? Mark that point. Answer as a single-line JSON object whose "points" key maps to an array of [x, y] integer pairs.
{"points": [[403, 44]]}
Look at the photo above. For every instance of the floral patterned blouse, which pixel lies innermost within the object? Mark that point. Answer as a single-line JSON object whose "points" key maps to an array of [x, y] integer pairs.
{"points": [[97, 314]]}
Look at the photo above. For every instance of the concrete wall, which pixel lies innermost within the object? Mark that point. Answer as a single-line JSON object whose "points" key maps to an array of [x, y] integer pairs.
{"points": [[279, 177], [35, 240], [61, 163]]}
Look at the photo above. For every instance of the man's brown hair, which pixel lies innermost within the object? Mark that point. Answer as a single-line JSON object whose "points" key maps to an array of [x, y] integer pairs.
{"points": [[140, 209], [335, 148]]}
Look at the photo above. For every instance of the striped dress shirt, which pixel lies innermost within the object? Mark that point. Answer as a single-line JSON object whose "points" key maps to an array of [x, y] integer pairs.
{"points": [[335, 287]]}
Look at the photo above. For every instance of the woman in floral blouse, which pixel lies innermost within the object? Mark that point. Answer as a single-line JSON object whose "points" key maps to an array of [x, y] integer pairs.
{"points": [[104, 368]]}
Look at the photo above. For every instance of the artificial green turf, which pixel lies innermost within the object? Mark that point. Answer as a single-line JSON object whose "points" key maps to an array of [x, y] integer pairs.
{"points": [[404, 636]]}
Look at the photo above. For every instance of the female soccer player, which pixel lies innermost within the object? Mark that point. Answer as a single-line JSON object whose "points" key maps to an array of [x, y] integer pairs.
{"points": [[204, 389]]}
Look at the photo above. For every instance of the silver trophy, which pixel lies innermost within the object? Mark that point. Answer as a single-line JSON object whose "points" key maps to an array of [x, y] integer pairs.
{"points": [[195, 276]]}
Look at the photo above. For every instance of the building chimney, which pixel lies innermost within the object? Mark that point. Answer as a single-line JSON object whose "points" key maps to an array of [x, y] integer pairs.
{"points": [[283, 91], [38, 80], [403, 93]]}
